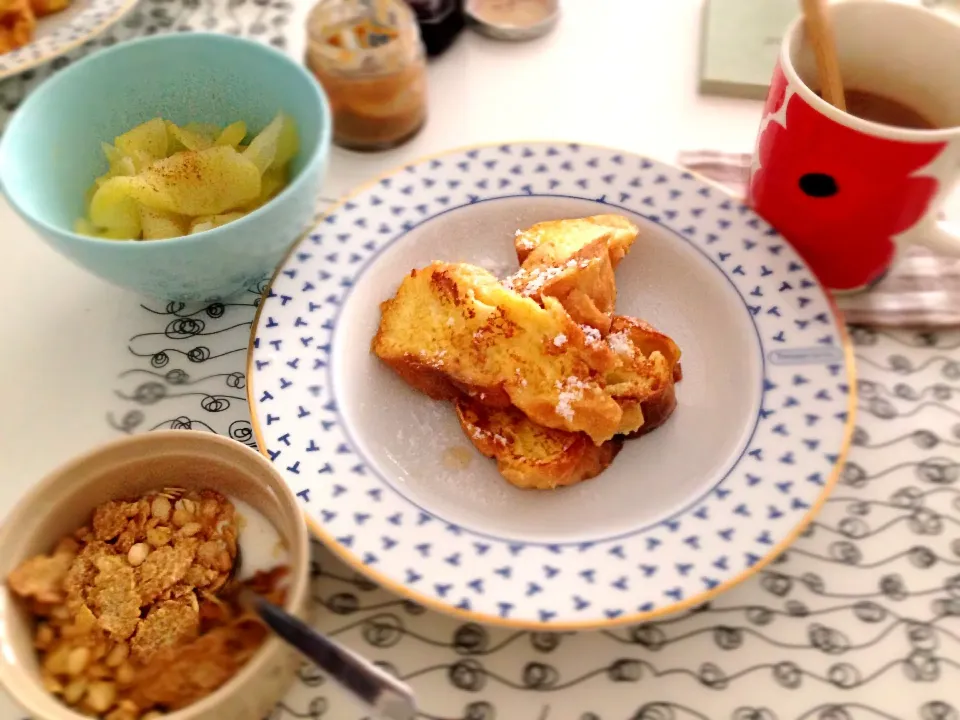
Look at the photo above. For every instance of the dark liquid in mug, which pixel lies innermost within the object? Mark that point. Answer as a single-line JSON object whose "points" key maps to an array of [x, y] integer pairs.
{"points": [[884, 110]]}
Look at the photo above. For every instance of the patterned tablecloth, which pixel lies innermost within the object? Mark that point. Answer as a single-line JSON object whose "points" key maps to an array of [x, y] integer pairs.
{"points": [[860, 619]]}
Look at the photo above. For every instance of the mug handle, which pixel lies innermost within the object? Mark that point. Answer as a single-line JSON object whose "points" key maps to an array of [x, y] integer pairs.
{"points": [[940, 237]]}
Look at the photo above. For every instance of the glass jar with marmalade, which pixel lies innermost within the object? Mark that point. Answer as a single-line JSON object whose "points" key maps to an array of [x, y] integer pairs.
{"points": [[370, 60]]}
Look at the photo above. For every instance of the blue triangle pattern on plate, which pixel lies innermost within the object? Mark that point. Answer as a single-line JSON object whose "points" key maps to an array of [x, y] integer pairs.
{"points": [[297, 372]]}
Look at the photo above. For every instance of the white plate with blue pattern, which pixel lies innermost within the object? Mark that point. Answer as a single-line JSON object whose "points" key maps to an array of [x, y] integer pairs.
{"points": [[763, 421], [61, 32]]}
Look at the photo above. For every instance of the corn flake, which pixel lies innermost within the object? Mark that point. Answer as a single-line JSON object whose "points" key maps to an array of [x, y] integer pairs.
{"points": [[168, 624], [41, 578], [129, 618], [115, 598], [164, 568]]}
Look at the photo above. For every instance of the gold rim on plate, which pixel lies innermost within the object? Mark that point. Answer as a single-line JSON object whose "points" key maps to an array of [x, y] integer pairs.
{"points": [[398, 588]]}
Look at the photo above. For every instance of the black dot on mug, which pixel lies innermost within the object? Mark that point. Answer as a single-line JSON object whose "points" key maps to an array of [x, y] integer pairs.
{"points": [[818, 185]]}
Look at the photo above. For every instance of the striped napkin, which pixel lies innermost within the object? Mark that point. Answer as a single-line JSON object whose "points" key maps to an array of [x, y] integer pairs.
{"points": [[921, 290]]}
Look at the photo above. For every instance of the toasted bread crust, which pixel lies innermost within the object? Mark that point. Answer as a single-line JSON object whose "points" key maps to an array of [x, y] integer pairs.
{"points": [[656, 411], [431, 382], [647, 339], [531, 456]]}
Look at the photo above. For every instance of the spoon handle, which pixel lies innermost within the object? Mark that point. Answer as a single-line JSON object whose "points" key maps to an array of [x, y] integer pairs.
{"points": [[388, 697], [820, 33]]}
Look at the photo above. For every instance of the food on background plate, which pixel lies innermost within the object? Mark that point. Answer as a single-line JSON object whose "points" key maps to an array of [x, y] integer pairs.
{"points": [[545, 378], [42, 8], [18, 20], [168, 181], [136, 612]]}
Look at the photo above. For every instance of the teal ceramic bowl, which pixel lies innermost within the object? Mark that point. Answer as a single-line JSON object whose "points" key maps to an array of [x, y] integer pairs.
{"points": [[50, 154]]}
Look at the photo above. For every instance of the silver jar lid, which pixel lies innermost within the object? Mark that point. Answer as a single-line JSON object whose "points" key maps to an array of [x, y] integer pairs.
{"points": [[513, 19]]}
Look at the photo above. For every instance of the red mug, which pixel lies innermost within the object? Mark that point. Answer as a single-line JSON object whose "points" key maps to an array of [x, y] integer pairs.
{"points": [[848, 192]]}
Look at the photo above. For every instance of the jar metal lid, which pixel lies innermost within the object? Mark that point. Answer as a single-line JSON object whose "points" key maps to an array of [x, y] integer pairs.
{"points": [[501, 26]]}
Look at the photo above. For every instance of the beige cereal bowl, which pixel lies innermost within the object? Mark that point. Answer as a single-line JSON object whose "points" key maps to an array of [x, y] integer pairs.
{"points": [[64, 501]]}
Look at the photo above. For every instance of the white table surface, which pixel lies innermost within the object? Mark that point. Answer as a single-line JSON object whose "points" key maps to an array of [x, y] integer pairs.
{"points": [[66, 332]]}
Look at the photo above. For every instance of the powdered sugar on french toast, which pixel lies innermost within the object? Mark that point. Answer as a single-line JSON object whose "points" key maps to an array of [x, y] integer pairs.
{"points": [[526, 243], [592, 334], [571, 391], [620, 343], [532, 281]]}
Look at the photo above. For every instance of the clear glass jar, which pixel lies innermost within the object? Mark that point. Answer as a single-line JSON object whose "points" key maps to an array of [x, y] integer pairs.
{"points": [[370, 60]]}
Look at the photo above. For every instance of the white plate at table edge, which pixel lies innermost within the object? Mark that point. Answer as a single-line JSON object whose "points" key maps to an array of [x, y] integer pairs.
{"points": [[85, 32], [776, 547]]}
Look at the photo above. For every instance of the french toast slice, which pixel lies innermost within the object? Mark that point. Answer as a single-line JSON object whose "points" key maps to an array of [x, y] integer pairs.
{"points": [[649, 360], [643, 337], [529, 455], [17, 23], [573, 260], [555, 240], [532, 456], [647, 374], [452, 328], [583, 282]]}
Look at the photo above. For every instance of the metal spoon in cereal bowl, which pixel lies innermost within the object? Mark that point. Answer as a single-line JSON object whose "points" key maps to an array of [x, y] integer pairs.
{"points": [[386, 696]]}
